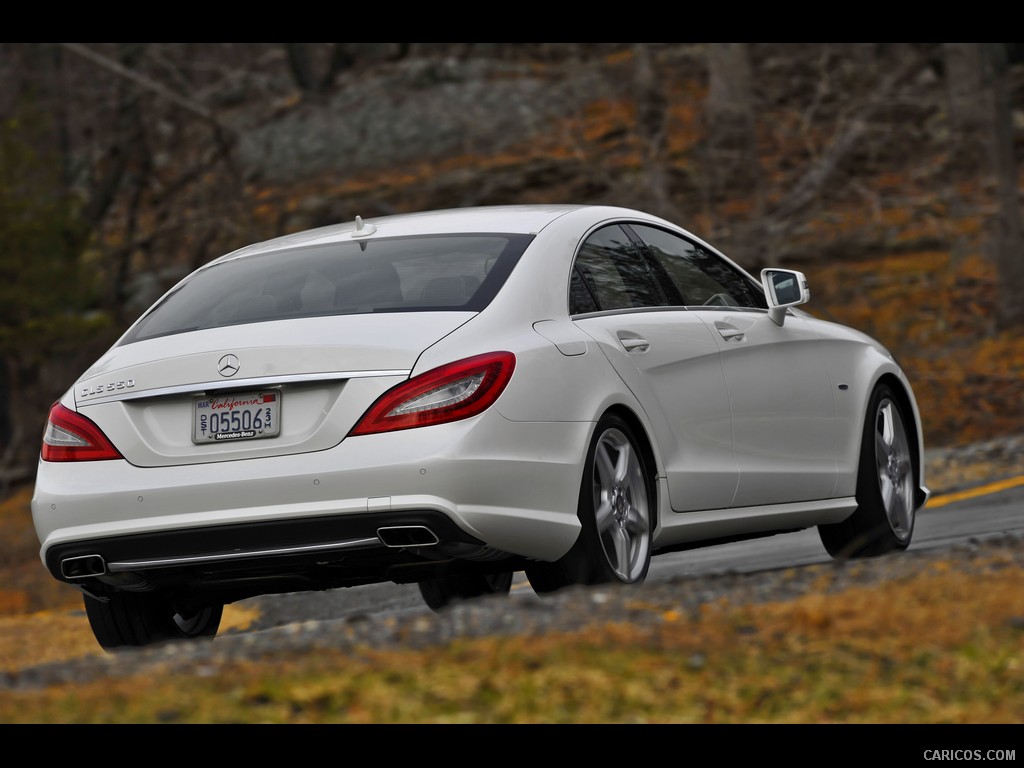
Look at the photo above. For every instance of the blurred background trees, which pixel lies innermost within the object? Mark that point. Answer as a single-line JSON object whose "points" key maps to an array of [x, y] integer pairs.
{"points": [[890, 172]]}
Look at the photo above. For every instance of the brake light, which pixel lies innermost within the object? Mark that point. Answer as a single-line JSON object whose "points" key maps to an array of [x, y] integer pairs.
{"points": [[449, 393], [69, 436]]}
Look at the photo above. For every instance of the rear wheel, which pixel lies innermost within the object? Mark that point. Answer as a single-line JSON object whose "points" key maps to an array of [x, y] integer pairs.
{"points": [[616, 512], [546, 578], [442, 591], [133, 619], [884, 519]]}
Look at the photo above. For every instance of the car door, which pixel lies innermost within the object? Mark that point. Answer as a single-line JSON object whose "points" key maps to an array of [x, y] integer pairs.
{"points": [[667, 357], [780, 398]]}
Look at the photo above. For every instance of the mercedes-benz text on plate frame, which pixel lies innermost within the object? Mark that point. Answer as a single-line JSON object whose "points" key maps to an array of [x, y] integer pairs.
{"points": [[238, 416]]}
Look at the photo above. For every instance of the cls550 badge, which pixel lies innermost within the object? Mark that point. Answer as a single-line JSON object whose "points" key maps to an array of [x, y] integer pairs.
{"points": [[113, 386]]}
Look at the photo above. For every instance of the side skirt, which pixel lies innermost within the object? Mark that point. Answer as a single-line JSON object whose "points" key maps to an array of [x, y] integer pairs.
{"points": [[682, 530]]}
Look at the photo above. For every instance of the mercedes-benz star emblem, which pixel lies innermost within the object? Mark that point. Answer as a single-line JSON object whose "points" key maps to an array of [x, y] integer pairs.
{"points": [[227, 365]]}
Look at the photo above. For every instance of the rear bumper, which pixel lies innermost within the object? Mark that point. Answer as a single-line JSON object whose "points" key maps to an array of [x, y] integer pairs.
{"points": [[477, 496], [256, 558]]}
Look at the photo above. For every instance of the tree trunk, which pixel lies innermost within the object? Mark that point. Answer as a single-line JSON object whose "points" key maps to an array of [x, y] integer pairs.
{"points": [[731, 162], [6, 422], [651, 131], [301, 61], [970, 110], [732, 140], [969, 113], [1008, 234]]}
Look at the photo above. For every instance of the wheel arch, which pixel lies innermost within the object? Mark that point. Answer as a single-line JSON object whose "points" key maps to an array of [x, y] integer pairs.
{"points": [[908, 405], [646, 446]]}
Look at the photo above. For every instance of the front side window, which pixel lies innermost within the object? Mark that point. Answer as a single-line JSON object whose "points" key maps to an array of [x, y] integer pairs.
{"points": [[428, 273], [701, 277]]}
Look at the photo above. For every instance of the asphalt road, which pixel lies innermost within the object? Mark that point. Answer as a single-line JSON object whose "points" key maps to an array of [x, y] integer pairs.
{"points": [[946, 521]]}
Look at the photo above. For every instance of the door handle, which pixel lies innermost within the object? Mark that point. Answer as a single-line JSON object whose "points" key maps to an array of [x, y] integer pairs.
{"points": [[635, 343], [729, 332]]}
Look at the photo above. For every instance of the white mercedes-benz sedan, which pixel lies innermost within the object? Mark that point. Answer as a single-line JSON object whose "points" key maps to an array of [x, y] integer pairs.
{"points": [[448, 398]]}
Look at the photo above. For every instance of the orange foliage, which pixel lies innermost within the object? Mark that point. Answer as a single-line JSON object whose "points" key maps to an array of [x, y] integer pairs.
{"points": [[891, 181], [12, 602], [936, 315], [739, 207]]}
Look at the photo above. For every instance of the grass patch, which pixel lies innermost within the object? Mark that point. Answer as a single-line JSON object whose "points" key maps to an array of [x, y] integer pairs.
{"points": [[940, 647]]}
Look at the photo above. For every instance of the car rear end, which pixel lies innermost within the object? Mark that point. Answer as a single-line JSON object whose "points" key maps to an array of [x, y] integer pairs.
{"points": [[229, 446]]}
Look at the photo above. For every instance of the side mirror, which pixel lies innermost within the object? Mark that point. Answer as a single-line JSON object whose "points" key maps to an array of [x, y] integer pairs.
{"points": [[784, 288]]}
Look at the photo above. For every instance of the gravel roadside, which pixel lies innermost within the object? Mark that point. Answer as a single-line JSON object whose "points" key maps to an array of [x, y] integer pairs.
{"points": [[948, 470]]}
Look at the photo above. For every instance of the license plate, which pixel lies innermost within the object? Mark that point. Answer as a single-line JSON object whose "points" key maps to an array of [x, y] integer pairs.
{"points": [[240, 416]]}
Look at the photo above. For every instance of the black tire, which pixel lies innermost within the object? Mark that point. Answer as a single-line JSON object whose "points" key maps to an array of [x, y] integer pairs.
{"points": [[546, 578], [616, 511], [134, 619], [438, 593], [886, 486]]}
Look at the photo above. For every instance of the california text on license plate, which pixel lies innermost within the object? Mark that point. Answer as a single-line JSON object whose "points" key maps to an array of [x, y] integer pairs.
{"points": [[238, 416]]}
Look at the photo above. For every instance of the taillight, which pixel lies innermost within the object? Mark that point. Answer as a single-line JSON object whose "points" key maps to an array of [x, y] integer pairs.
{"points": [[449, 393], [69, 436]]}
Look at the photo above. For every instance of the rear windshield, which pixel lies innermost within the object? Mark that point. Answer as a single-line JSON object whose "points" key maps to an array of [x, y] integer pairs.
{"points": [[426, 273]]}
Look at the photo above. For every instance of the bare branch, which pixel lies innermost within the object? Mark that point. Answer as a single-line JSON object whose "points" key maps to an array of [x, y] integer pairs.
{"points": [[147, 83], [783, 217]]}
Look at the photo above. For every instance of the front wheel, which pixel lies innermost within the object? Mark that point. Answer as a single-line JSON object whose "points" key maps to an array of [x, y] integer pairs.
{"points": [[133, 619], [884, 518]]}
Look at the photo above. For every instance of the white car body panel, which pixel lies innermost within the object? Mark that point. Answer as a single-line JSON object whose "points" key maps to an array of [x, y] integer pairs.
{"points": [[667, 348], [783, 425], [304, 346]]}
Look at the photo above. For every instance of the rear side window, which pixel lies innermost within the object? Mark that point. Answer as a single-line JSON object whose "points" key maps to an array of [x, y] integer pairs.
{"points": [[432, 273], [611, 273]]}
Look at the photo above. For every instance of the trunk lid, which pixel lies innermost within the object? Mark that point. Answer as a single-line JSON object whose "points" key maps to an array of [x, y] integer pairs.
{"points": [[322, 373]]}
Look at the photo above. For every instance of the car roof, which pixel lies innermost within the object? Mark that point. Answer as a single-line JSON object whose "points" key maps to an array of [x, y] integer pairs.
{"points": [[519, 219]]}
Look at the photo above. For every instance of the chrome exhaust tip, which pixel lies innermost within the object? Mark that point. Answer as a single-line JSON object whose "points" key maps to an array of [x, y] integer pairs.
{"points": [[398, 536], [82, 567]]}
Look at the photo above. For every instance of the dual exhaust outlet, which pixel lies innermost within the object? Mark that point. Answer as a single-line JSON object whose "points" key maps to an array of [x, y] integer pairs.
{"points": [[83, 567]]}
